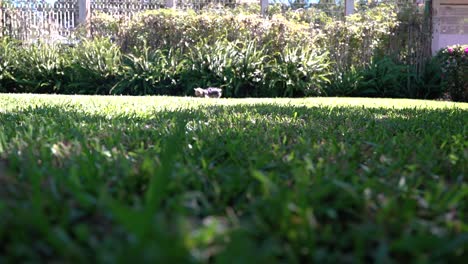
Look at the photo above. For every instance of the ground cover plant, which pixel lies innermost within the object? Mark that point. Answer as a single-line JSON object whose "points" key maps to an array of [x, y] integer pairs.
{"points": [[185, 180]]}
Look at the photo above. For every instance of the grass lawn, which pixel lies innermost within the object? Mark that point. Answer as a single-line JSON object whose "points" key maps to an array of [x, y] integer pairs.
{"points": [[185, 180]]}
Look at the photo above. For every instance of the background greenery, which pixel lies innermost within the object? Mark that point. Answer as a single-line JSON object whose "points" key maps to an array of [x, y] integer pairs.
{"points": [[289, 53]]}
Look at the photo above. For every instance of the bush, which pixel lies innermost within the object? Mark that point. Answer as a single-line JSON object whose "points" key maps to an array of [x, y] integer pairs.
{"points": [[384, 78], [8, 56], [299, 72], [95, 66], [41, 68], [149, 72], [245, 70], [104, 25], [363, 35], [381, 78], [428, 84], [346, 83], [165, 29], [454, 62], [312, 16], [236, 66]]}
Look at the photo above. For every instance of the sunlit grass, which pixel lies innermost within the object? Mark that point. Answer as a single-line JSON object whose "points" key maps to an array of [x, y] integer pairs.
{"points": [[180, 179], [143, 103]]}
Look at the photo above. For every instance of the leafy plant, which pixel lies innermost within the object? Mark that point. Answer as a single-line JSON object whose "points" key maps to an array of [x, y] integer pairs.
{"points": [[246, 74], [299, 72], [148, 72], [384, 78], [40, 68], [207, 64], [355, 41], [429, 84], [95, 65], [347, 83], [236, 66], [103, 25], [8, 59]]}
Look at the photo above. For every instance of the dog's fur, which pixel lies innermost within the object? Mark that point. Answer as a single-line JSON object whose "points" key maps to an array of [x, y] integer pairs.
{"points": [[210, 92]]}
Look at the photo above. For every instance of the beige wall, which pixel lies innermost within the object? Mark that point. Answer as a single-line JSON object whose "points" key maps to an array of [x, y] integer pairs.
{"points": [[450, 18], [452, 1]]}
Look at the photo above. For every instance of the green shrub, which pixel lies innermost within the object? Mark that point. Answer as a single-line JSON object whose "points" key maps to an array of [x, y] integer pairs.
{"points": [[236, 66], [311, 15], [149, 72], [454, 61], [159, 29], [8, 55], [103, 25], [355, 41], [384, 78], [346, 83], [298, 72], [381, 78], [95, 66], [207, 64], [246, 75], [165, 29], [41, 68], [428, 84]]}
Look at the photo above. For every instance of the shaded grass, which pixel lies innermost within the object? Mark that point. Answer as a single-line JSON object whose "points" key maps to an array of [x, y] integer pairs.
{"points": [[191, 180]]}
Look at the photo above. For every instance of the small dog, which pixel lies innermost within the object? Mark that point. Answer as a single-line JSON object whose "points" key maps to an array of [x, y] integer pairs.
{"points": [[210, 92]]}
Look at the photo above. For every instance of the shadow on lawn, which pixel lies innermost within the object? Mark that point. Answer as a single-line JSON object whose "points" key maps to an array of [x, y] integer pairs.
{"points": [[224, 131], [241, 128]]}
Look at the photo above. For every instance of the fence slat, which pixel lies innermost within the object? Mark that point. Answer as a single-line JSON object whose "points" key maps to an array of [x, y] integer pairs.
{"points": [[349, 7], [1, 19], [84, 15], [171, 3], [263, 7]]}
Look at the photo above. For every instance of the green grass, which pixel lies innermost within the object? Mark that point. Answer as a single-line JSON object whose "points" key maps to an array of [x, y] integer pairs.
{"points": [[182, 180]]}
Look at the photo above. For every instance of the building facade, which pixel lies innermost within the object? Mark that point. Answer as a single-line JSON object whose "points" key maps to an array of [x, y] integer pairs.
{"points": [[450, 23]]}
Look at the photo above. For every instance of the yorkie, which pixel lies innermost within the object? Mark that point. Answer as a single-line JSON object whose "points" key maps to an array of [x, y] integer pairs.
{"points": [[210, 92]]}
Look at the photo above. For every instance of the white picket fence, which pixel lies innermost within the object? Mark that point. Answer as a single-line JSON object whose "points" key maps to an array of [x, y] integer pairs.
{"points": [[28, 20]]}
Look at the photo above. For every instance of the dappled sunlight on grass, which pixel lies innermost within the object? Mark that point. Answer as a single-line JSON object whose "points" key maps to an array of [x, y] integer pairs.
{"points": [[142, 104]]}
